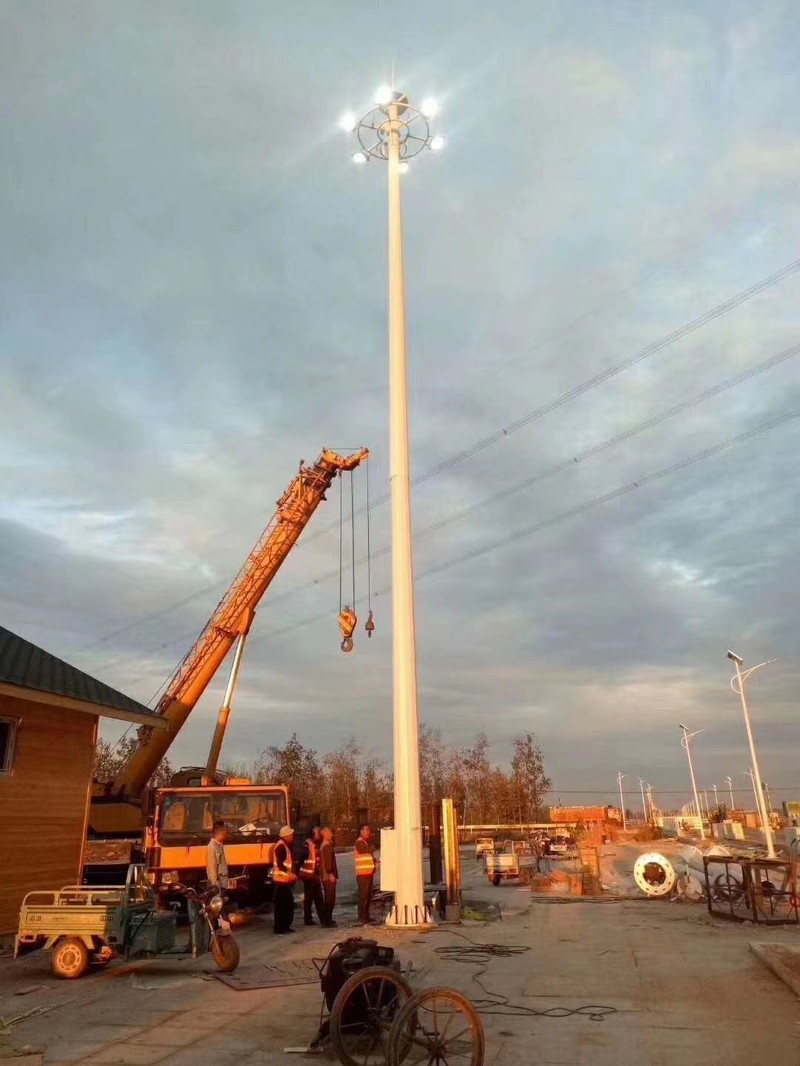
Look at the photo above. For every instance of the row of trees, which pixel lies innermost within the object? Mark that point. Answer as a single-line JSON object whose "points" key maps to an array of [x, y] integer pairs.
{"points": [[342, 782], [339, 784]]}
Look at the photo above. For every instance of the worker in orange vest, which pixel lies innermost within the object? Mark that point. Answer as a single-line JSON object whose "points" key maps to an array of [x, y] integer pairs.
{"points": [[366, 865], [309, 875], [284, 878]]}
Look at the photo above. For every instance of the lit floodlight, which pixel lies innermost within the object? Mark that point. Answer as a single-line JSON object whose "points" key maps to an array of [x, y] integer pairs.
{"points": [[359, 157], [429, 108], [348, 122], [437, 143], [383, 96], [403, 168]]}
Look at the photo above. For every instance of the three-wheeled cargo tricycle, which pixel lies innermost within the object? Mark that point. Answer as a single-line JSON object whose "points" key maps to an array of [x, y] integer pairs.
{"points": [[88, 926], [511, 864]]}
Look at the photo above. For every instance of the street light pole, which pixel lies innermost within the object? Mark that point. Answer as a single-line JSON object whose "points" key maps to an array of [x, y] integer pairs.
{"points": [[716, 797], [729, 783], [644, 805], [620, 776], [393, 131], [650, 804], [751, 775], [685, 741], [737, 684]]}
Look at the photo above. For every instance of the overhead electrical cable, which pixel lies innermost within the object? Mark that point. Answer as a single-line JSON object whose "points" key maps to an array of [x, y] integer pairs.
{"points": [[501, 434], [562, 516]]}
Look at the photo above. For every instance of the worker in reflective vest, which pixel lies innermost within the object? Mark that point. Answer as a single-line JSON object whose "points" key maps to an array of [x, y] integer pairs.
{"points": [[309, 875], [366, 865], [283, 877]]}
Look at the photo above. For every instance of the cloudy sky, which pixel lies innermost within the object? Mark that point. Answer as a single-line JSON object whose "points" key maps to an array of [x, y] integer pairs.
{"points": [[192, 298]]}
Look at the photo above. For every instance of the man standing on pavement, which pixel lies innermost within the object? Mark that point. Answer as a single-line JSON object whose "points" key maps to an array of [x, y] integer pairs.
{"points": [[329, 875], [366, 865], [216, 863], [283, 878], [309, 875]]}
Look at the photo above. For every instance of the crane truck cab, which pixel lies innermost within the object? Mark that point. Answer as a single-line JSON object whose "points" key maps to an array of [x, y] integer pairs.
{"points": [[178, 832]]}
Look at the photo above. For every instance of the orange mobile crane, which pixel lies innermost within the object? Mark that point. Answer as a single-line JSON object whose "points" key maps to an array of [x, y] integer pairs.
{"points": [[118, 808]]}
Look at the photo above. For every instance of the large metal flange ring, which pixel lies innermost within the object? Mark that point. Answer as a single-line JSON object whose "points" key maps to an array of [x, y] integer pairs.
{"points": [[654, 874]]}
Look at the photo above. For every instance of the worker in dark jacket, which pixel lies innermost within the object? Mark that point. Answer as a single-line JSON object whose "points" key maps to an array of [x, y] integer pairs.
{"points": [[309, 875], [366, 865], [284, 878], [328, 875]]}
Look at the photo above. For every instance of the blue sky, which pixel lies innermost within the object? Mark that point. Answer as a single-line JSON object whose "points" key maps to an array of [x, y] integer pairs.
{"points": [[193, 297]]}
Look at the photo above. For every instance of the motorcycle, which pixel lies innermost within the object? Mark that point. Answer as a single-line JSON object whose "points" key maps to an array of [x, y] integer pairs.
{"points": [[208, 919]]}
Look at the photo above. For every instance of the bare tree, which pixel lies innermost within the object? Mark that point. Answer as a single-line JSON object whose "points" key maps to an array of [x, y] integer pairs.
{"points": [[529, 780]]}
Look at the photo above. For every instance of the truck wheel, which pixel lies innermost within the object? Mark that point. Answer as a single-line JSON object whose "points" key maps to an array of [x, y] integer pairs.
{"points": [[70, 959], [496, 879], [226, 953]]}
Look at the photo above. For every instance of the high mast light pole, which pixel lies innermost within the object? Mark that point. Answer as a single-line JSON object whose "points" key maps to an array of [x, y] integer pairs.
{"points": [[729, 783], [394, 132]]}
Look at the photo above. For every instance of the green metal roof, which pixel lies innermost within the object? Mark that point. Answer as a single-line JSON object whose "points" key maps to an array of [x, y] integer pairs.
{"points": [[28, 666]]}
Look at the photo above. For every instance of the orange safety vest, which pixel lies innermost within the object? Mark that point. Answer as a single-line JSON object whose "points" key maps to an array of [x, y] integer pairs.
{"points": [[308, 870], [365, 860], [286, 876]]}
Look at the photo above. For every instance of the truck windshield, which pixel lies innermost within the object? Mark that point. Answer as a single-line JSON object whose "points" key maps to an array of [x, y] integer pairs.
{"points": [[248, 815]]}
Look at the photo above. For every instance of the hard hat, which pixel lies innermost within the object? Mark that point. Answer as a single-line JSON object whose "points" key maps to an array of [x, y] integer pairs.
{"points": [[287, 831]]}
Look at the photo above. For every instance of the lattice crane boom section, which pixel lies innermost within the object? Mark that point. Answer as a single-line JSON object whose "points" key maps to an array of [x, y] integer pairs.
{"points": [[234, 613]]}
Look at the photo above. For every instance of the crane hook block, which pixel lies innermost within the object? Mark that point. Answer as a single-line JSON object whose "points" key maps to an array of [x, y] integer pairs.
{"points": [[347, 623], [369, 625]]}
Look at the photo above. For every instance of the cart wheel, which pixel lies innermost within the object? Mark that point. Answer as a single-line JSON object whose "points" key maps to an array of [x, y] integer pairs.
{"points": [[226, 953], [70, 958], [496, 879], [730, 888], [363, 1013], [437, 1025]]}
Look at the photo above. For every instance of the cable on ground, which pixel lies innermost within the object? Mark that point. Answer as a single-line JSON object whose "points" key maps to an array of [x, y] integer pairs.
{"points": [[493, 1003]]}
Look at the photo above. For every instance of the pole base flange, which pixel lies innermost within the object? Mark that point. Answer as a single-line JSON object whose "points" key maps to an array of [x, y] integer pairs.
{"points": [[409, 916]]}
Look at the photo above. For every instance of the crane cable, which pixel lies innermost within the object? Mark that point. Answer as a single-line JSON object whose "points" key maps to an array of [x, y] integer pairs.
{"points": [[347, 615], [369, 625]]}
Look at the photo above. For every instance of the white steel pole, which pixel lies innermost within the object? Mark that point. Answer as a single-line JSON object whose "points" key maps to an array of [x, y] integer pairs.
{"points": [[716, 797], [409, 905], [754, 757], [686, 742], [644, 805], [729, 782], [620, 776], [749, 773]]}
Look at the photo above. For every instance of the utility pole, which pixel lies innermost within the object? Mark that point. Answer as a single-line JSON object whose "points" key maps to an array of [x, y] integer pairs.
{"points": [[737, 684], [644, 805], [620, 776], [729, 783], [685, 742], [394, 132]]}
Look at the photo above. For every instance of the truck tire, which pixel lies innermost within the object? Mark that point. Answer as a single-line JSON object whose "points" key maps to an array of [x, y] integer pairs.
{"points": [[70, 958], [226, 953]]}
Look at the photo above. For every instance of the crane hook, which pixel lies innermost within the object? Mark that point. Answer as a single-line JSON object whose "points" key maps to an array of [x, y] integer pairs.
{"points": [[369, 625], [347, 623]]}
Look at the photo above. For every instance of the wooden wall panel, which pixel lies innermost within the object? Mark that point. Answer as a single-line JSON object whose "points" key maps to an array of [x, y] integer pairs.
{"points": [[43, 802]]}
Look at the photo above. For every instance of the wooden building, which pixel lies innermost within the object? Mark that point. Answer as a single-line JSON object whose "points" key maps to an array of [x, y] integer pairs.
{"points": [[49, 714]]}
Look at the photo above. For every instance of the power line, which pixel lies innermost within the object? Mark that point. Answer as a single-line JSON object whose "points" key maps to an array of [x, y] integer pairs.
{"points": [[572, 512], [513, 427], [566, 464]]}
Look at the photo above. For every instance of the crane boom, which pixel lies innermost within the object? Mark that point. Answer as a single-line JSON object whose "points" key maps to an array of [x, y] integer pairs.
{"points": [[232, 617]]}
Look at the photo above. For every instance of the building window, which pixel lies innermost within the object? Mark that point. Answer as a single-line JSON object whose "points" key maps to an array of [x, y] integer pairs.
{"points": [[8, 737]]}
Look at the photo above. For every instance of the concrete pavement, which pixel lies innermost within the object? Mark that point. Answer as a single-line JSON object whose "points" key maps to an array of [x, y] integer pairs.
{"points": [[678, 986]]}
